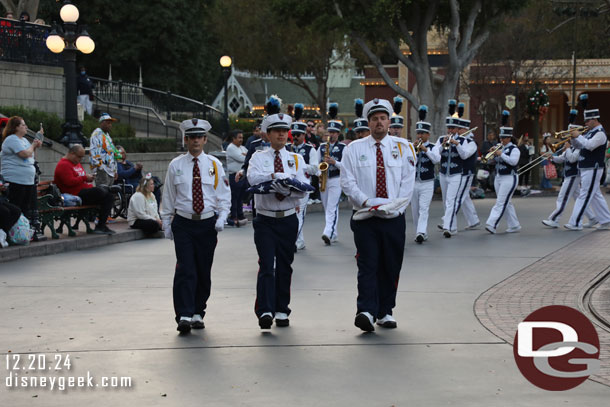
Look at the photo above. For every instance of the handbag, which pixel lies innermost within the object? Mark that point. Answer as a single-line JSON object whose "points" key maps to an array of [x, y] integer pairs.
{"points": [[550, 172], [20, 233]]}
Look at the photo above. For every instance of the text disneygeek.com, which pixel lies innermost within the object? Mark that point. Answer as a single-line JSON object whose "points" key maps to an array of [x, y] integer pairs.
{"points": [[25, 371]]}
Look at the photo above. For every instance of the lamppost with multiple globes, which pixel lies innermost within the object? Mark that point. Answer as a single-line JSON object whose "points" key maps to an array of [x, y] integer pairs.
{"points": [[225, 63], [68, 40]]}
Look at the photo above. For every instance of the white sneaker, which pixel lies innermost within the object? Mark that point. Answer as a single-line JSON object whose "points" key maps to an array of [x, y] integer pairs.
{"points": [[590, 224], [550, 223], [300, 245], [516, 229], [604, 226], [572, 227], [421, 237], [387, 322], [281, 315], [3, 241], [490, 229], [364, 321], [473, 227]]}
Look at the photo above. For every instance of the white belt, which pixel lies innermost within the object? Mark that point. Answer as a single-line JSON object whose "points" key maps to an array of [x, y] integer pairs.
{"points": [[195, 216], [276, 214]]}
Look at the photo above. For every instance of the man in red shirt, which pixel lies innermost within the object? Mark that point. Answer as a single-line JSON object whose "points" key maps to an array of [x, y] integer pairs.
{"points": [[71, 178]]}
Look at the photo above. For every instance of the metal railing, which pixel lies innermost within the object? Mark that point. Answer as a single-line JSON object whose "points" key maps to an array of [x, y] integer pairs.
{"points": [[153, 101], [26, 43]]}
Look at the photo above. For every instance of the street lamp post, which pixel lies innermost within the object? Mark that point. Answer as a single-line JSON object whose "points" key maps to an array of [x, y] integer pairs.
{"points": [[225, 63], [67, 40]]}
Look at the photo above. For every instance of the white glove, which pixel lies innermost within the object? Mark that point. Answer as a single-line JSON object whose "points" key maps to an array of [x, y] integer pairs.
{"points": [[377, 201], [220, 224], [311, 169], [167, 229], [281, 175], [280, 189]]}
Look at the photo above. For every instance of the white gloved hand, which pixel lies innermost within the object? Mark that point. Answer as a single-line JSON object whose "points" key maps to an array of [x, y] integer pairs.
{"points": [[168, 233], [377, 201], [280, 189], [220, 224], [281, 175], [311, 169]]}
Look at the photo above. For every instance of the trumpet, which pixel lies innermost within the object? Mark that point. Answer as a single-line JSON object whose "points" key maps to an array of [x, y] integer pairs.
{"points": [[447, 142], [492, 151], [568, 133], [418, 145]]}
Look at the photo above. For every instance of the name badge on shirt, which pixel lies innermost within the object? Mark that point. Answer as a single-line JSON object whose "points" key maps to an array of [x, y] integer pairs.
{"points": [[363, 157], [179, 172], [395, 154], [266, 164]]}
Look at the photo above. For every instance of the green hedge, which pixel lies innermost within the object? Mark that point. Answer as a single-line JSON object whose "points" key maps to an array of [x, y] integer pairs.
{"points": [[33, 117]]}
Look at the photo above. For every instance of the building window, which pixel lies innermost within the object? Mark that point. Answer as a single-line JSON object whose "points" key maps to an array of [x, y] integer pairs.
{"points": [[234, 105]]}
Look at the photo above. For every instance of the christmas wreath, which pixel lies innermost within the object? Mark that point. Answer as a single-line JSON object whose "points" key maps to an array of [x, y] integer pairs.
{"points": [[537, 102]]}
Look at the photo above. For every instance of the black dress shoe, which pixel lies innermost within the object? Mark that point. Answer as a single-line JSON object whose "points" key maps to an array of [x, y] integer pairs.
{"points": [[197, 324], [364, 323], [265, 322], [282, 322], [326, 240], [184, 326]]}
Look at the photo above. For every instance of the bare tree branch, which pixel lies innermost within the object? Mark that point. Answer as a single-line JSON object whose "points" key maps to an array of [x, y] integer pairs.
{"points": [[454, 32], [384, 74], [469, 27], [9, 5]]}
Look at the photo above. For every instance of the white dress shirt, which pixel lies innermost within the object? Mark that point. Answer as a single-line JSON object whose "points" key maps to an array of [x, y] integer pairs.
{"points": [[570, 155], [235, 157], [599, 139], [513, 158], [359, 169], [262, 169], [178, 187], [466, 149]]}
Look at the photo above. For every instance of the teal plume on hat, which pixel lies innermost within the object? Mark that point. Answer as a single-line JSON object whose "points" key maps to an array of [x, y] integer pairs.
{"points": [[460, 109], [298, 111], [397, 104], [333, 110], [452, 105], [423, 111], [584, 100], [572, 116], [358, 107], [273, 105], [505, 115]]}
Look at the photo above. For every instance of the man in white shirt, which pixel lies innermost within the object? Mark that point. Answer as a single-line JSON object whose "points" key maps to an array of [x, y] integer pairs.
{"points": [[195, 205], [275, 224], [236, 155], [377, 170]]}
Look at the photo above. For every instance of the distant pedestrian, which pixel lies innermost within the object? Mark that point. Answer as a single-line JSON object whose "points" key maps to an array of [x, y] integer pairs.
{"points": [[85, 87]]}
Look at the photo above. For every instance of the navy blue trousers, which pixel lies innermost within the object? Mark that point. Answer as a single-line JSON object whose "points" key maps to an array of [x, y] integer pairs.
{"points": [[195, 242], [238, 190], [275, 240], [380, 245]]}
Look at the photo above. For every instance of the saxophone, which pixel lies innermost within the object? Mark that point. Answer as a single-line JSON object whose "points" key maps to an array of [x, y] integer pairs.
{"points": [[323, 166]]}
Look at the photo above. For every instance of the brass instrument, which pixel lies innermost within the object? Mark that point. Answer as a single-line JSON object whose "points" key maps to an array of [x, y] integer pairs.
{"points": [[323, 166], [447, 142], [492, 151], [568, 132], [565, 136], [418, 145]]}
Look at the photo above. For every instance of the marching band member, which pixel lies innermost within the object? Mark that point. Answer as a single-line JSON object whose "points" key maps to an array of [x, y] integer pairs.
{"points": [[196, 202], [310, 155], [450, 171], [275, 225], [331, 153], [592, 147], [361, 125], [397, 122], [571, 180], [427, 157], [468, 153], [378, 170], [505, 183]]}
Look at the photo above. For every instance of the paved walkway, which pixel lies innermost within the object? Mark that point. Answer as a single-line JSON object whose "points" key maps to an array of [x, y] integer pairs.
{"points": [[564, 277], [110, 309]]}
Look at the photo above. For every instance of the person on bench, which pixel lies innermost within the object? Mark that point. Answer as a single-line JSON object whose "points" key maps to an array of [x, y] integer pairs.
{"points": [[70, 177]]}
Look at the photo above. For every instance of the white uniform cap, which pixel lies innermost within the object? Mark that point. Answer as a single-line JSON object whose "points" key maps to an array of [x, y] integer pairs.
{"points": [[276, 121], [377, 105], [195, 126]]}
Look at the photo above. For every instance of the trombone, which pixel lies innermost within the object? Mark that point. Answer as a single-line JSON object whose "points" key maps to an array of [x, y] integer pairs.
{"points": [[567, 133]]}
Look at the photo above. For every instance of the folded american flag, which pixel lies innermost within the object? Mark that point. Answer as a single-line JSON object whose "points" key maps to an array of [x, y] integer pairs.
{"points": [[292, 183]]}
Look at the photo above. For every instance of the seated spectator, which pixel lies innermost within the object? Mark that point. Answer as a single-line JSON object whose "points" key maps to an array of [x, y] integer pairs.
{"points": [[24, 16], [128, 172], [142, 213], [70, 177], [236, 155], [9, 215]]}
